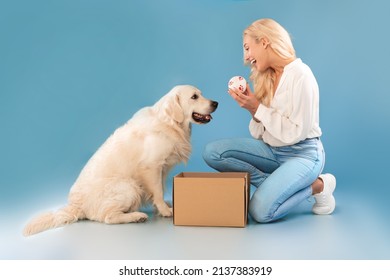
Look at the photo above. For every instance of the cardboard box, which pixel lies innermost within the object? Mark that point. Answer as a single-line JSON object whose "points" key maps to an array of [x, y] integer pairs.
{"points": [[211, 199]]}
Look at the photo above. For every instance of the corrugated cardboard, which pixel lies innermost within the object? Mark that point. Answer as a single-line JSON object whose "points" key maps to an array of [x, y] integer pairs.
{"points": [[211, 199]]}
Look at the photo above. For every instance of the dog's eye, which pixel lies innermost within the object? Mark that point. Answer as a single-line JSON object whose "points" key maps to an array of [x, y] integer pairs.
{"points": [[195, 96]]}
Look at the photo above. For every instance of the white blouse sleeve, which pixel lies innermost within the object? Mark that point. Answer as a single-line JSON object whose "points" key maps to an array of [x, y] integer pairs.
{"points": [[256, 129]]}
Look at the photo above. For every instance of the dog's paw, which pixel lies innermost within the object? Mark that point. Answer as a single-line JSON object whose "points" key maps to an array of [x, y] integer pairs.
{"points": [[167, 212], [140, 217]]}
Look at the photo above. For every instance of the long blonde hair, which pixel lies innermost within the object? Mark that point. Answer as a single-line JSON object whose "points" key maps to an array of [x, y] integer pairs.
{"points": [[280, 42]]}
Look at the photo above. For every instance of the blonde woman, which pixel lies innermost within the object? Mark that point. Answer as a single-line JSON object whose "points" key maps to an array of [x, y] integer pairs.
{"points": [[285, 157]]}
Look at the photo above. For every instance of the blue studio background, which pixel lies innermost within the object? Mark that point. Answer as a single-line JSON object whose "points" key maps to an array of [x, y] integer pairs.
{"points": [[73, 71]]}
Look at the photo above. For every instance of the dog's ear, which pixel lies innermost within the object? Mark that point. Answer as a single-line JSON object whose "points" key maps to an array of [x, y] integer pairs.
{"points": [[174, 109]]}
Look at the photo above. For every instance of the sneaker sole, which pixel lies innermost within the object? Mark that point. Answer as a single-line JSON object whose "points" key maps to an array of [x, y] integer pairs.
{"points": [[318, 211]]}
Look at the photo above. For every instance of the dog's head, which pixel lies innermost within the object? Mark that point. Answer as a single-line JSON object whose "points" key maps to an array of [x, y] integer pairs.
{"points": [[185, 104]]}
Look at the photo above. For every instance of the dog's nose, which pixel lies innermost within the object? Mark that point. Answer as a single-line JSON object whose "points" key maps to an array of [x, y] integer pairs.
{"points": [[214, 104]]}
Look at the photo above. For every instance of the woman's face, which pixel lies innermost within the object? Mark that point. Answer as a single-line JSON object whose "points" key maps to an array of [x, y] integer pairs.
{"points": [[255, 53]]}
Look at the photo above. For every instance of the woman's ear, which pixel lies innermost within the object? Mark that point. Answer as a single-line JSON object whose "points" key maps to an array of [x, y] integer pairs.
{"points": [[264, 42]]}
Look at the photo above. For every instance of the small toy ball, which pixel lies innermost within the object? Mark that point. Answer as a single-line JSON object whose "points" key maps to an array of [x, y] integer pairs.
{"points": [[237, 82]]}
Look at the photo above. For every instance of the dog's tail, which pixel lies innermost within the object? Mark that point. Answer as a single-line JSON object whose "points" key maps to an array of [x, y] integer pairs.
{"points": [[67, 215]]}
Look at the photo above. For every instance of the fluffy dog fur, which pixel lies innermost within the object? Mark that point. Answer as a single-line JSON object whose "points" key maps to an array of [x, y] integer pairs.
{"points": [[130, 168]]}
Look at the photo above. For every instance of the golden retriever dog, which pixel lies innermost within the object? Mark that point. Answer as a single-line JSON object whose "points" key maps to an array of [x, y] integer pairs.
{"points": [[131, 167]]}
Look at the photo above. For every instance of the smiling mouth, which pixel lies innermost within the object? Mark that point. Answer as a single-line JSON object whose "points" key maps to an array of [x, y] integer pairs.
{"points": [[253, 61], [199, 118]]}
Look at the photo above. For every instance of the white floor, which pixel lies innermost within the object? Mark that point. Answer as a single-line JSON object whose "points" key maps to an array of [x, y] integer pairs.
{"points": [[356, 230]]}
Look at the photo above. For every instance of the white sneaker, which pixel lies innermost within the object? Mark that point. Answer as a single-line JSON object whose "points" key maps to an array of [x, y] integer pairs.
{"points": [[325, 202]]}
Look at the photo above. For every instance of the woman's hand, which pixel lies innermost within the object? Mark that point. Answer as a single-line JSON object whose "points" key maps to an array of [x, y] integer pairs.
{"points": [[246, 99]]}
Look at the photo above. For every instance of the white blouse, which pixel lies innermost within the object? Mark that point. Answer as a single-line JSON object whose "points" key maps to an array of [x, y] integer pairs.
{"points": [[293, 114]]}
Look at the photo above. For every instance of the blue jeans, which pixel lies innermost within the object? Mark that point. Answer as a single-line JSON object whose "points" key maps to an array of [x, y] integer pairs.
{"points": [[282, 175]]}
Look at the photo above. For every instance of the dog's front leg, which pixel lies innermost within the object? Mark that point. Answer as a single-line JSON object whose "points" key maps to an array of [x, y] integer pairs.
{"points": [[154, 182]]}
